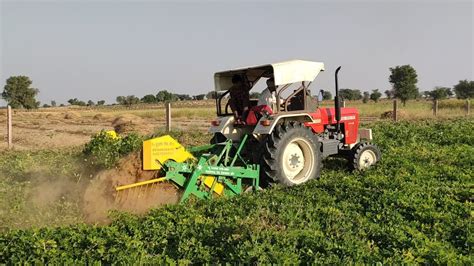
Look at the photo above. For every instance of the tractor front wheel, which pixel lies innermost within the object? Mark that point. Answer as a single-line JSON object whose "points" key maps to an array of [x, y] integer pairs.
{"points": [[291, 155], [364, 155]]}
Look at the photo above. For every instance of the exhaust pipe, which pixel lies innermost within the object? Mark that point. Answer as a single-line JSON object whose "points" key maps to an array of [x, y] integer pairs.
{"points": [[337, 105]]}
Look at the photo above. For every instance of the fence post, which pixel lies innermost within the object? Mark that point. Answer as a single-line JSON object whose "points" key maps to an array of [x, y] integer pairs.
{"points": [[9, 127], [394, 114], [343, 103], [468, 107], [168, 117], [435, 107]]}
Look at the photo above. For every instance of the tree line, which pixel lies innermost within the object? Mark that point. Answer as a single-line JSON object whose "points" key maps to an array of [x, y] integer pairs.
{"points": [[19, 93]]}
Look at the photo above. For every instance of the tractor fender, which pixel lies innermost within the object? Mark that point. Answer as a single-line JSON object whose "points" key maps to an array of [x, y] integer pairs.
{"points": [[226, 127], [278, 118]]}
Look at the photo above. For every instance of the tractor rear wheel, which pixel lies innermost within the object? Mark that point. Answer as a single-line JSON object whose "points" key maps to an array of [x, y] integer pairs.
{"points": [[364, 155], [291, 155]]}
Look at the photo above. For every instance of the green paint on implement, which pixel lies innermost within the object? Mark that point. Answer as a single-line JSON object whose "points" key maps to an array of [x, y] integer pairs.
{"points": [[223, 162]]}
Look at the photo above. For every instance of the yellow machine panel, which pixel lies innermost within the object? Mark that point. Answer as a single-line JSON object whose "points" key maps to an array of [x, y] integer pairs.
{"points": [[157, 151], [218, 187]]}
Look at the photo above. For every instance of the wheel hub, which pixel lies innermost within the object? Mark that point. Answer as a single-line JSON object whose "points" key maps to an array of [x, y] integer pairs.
{"points": [[367, 158], [298, 160]]}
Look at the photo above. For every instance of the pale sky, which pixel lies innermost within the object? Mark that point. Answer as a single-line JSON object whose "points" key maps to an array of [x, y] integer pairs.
{"points": [[101, 49]]}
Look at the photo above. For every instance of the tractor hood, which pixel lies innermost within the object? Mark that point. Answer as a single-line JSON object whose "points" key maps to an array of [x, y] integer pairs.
{"points": [[284, 73]]}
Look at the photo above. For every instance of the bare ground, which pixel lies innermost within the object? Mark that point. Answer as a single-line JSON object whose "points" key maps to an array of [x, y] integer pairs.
{"points": [[66, 128]]}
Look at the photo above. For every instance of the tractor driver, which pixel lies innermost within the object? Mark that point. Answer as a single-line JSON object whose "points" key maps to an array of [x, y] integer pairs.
{"points": [[266, 102], [267, 97], [239, 99]]}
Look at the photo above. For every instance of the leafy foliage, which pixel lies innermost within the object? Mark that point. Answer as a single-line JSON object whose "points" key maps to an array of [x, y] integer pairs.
{"points": [[18, 93], [375, 95], [327, 95], [199, 97], [105, 149], [366, 97], [165, 96], [389, 93], [149, 98], [414, 207], [349, 94], [404, 79], [127, 100], [254, 95], [439, 93], [75, 101], [464, 89]]}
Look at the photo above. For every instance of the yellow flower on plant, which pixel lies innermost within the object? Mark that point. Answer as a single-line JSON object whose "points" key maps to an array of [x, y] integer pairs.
{"points": [[112, 134]]}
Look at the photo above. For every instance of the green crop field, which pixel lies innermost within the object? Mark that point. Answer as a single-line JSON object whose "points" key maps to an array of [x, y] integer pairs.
{"points": [[414, 207]]}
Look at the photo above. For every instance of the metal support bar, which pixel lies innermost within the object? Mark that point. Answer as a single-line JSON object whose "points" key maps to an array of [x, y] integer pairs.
{"points": [[168, 117], [241, 145], [9, 127]]}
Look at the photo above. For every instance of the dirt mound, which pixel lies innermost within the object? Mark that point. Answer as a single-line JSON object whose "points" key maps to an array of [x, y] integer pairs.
{"points": [[100, 116], [53, 116], [389, 114], [127, 123], [71, 115], [100, 196]]}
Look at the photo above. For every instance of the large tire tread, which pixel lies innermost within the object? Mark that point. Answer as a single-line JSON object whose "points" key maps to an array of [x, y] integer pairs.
{"points": [[359, 149], [276, 141]]}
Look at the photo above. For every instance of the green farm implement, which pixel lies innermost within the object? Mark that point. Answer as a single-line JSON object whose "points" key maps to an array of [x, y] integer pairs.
{"points": [[217, 170]]}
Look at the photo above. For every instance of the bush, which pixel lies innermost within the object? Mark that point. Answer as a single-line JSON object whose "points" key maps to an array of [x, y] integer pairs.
{"points": [[452, 104], [106, 148]]}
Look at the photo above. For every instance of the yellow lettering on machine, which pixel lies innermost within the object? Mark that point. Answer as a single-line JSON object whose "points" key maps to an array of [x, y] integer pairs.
{"points": [[157, 151]]}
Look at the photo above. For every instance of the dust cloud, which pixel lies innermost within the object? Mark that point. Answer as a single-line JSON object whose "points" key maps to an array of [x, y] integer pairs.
{"points": [[51, 199], [100, 195]]}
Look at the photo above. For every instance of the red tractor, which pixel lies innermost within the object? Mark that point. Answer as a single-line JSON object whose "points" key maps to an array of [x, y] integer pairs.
{"points": [[279, 138], [289, 138]]}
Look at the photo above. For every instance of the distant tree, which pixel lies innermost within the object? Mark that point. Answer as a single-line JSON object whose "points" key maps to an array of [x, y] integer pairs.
{"points": [[351, 95], [165, 96], [18, 93], [90, 103], [211, 95], [149, 98], [120, 100], [61, 105], [464, 89], [366, 97], [375, 95], [161, 96], [327, 95], [439, 93], [183, 97], [46, 105], [199, 97], [75, 101], [101, 102], [53, 103], [254, 95], [72, 101], [389, 94], [404, 79], [127, 100]]}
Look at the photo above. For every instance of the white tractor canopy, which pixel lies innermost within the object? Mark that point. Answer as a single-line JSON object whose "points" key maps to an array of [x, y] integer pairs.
{"points": [[286, 72]]}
